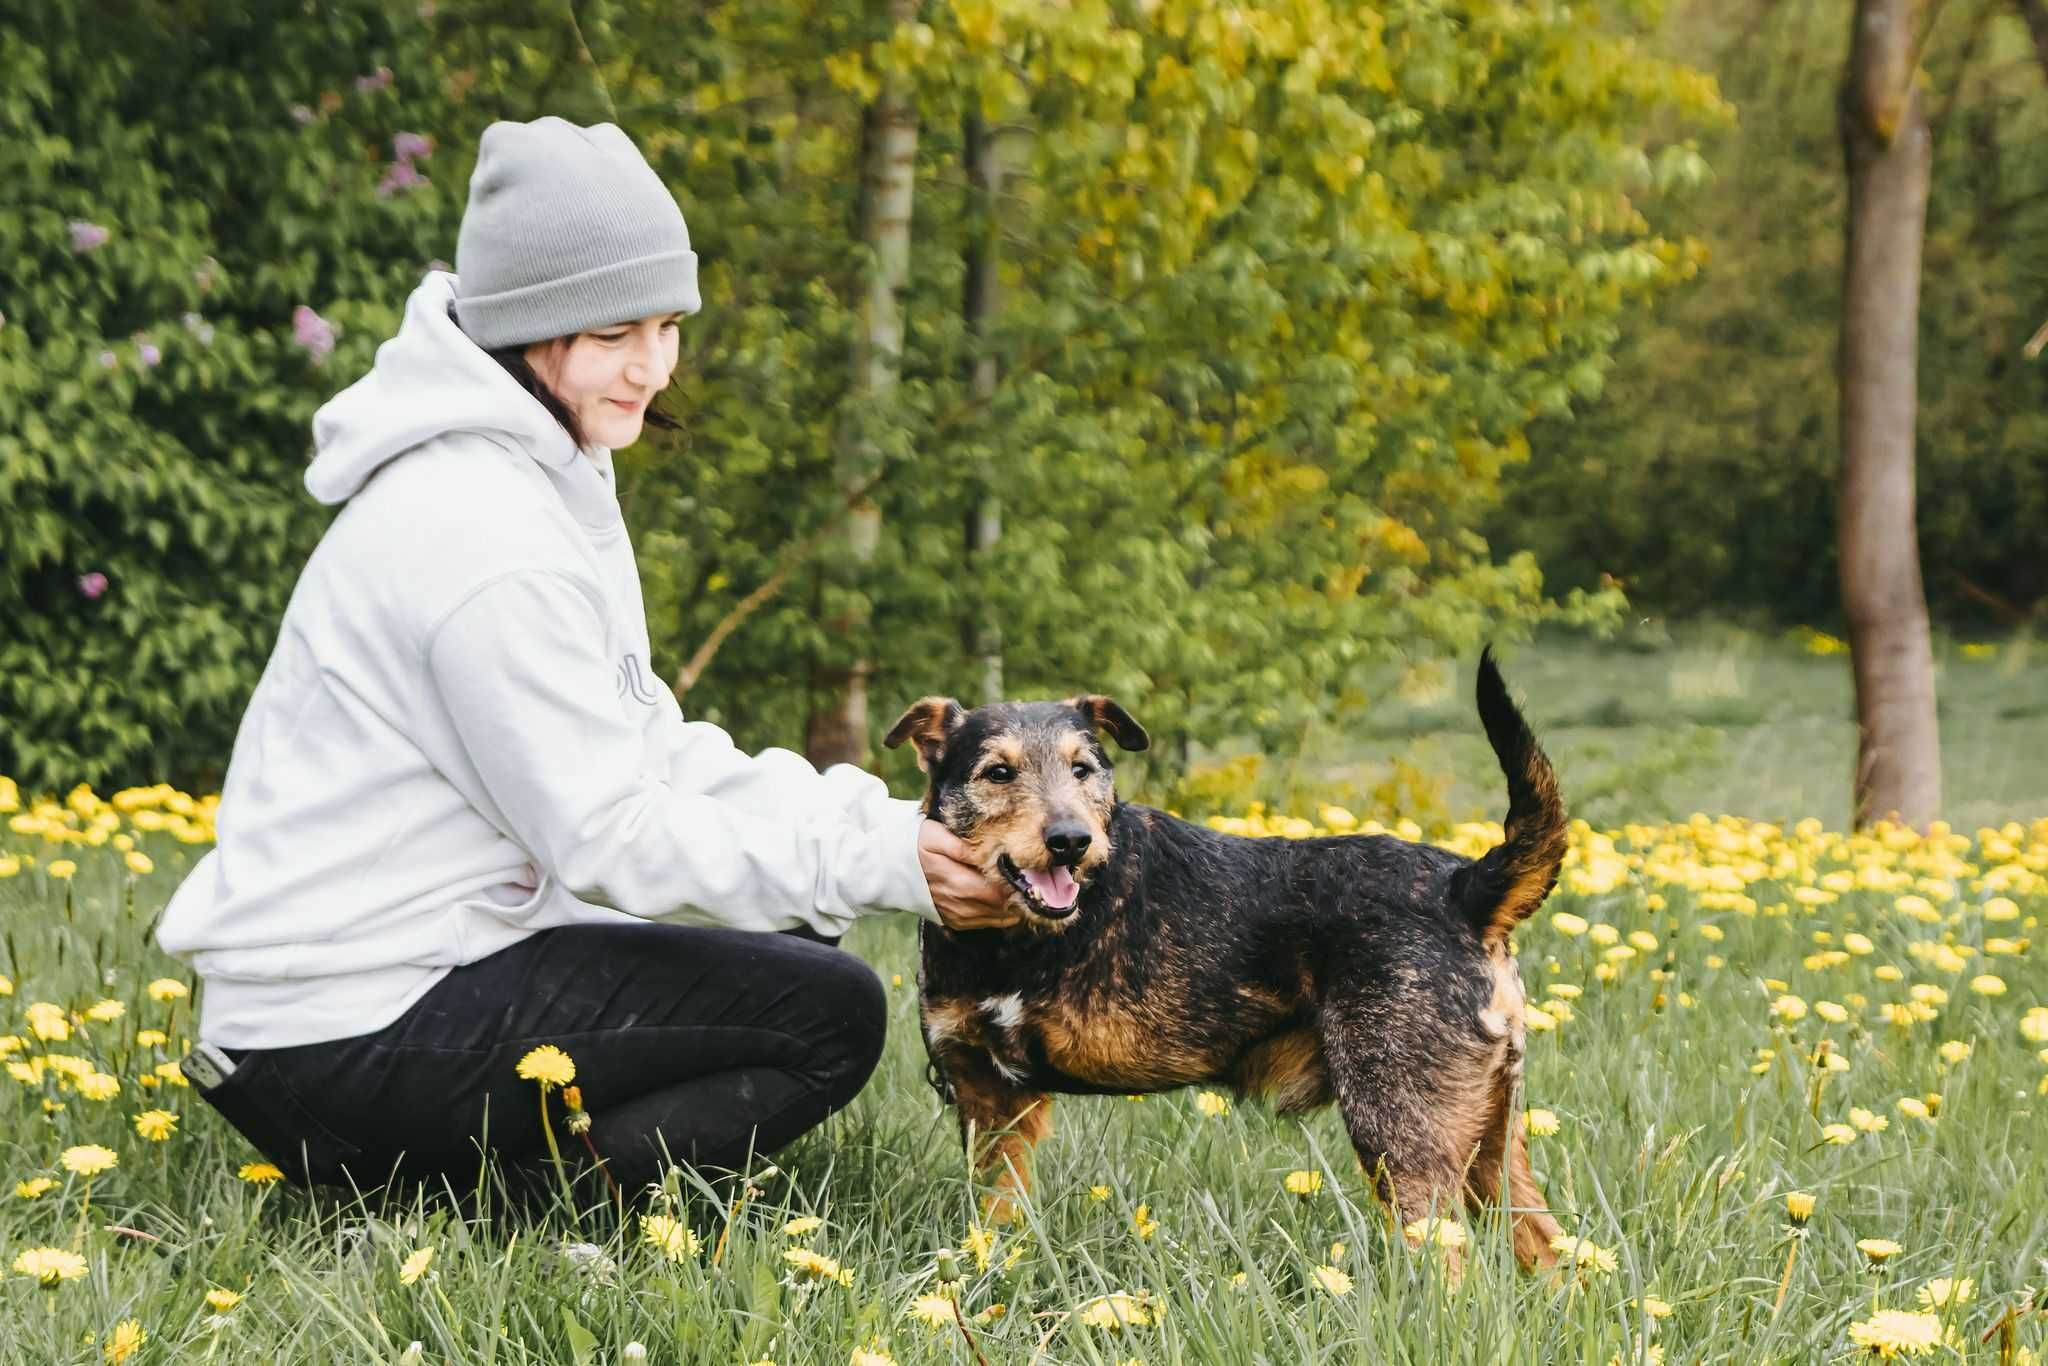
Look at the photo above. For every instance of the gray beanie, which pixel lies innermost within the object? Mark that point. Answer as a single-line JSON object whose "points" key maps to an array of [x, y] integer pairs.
{"points": [[566, 229]]}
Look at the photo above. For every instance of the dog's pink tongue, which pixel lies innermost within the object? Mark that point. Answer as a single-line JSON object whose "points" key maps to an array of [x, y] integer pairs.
{"points": [[1055, 888]]}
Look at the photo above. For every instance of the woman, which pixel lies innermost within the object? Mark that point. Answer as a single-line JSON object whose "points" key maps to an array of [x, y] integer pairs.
{"points": [[463, 818]]}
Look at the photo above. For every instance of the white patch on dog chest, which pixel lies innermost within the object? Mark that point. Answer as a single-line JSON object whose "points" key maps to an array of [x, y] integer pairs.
{"points": [[1004, 1011]]}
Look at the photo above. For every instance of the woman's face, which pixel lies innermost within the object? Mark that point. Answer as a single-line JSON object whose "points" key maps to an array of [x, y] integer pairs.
{"points": [[608, 376]]}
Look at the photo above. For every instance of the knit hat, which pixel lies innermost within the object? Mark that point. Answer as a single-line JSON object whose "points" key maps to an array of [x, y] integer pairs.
{"points": [[566, 229]]}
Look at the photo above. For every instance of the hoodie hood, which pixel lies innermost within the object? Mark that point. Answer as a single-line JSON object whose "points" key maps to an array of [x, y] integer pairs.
{"points": [[429, 380]]}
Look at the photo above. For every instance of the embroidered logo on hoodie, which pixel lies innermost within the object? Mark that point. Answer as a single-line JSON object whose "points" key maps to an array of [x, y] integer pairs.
{"points": [[632, 680]]}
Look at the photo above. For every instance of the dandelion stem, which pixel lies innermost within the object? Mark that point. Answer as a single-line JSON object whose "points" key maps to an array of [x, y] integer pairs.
{"points": [[1785, 1280], [961, 1319], [732, 1212]]}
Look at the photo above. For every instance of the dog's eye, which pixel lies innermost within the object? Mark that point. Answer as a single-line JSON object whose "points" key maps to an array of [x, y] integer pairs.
{"points": [[998, 773], [1083, 772]]}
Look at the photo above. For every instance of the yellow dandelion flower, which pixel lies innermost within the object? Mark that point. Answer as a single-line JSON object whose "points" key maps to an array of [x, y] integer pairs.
{"points": [[1897, 1333], [1211, 1104], [1116, 1311], [2001, 908], [1303, 1183], [139, 862], [935, 1311], [669, 1236], [1565, 923], [167, 989], [48, 1022], [106, 1011], [2034, 1025], [156, 1125], [1988, 985], [151, 1038], [49, 1265], [415, 1265], [1098, 1194], [874, 1354], [1912, 1106], [1655, 1308], [1954, 1052], [982, 1243], [220, 1301], [168, 1072], [124, 1342], [1585, 1254], [803, 1226], [1603, 934], [1142, 1222], [1540, 1123], [1831, 1011], [1878, 1250], [1789, 1008], [1868, 1121], [62, 868], [88, 1159], [548, 1065], [1438, 1232], [1331, 1280], [1840, 1135], [1858, 944], [809, 1265], [1799, 1205], [1887, 972], [1943, 1291], [35, 1188], [98, 1086], [260, 1173]]}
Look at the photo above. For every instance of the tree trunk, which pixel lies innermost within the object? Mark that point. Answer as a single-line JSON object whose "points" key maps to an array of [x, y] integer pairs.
{"points": [[985, 529], [837, 731], [1889, 156]]}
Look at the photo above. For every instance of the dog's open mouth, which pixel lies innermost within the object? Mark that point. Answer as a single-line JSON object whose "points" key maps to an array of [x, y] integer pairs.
{"points": [[1051, 893]]}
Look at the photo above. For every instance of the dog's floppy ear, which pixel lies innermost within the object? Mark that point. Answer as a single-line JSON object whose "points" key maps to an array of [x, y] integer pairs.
{"points": [[1104, 714], [930, 721]]}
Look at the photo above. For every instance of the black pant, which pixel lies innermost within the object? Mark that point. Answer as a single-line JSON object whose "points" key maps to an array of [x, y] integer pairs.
{"points": [[712, 1043]]}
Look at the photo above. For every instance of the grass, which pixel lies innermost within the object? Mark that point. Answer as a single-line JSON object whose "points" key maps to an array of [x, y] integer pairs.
{"points": [[1677, 1137], [1717, 719]]}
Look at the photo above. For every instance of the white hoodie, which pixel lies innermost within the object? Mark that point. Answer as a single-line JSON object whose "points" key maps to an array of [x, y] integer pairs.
{"points": [[457, 740]]}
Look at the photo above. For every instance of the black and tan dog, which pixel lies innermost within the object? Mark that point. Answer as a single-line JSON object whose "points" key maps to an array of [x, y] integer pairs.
{"points": [[1154, 953]]}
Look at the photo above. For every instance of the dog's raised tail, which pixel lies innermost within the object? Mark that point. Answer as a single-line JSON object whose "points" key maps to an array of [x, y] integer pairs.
{"points": [[1505, 887]]}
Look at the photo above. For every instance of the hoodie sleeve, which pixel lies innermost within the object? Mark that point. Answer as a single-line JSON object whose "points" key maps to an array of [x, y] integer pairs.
{"points": [[533, 702], [781, 783]]}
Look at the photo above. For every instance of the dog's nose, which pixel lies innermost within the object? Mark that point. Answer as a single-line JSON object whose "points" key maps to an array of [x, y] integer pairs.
{"points": [[1068, 840]]}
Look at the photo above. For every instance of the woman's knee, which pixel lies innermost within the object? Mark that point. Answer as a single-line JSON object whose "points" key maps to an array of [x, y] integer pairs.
{"points": [[856, 1014]]}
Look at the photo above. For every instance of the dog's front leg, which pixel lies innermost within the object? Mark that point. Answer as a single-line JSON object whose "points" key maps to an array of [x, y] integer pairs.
{"points": [[1001, 1123]]}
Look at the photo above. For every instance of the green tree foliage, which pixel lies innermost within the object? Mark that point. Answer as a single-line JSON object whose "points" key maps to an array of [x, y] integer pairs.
{"points": [[167, 204], [1715, 446], [1283, 291]]}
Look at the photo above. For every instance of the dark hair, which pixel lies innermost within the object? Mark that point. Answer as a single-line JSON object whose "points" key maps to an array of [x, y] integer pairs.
{"points": [[513, 359]]}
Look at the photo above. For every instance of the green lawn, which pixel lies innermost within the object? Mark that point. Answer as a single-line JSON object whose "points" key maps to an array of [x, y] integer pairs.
{"points": [[1676, 1140]]}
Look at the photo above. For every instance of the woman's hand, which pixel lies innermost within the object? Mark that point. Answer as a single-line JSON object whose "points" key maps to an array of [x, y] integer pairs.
{"points": [[966, 899]]}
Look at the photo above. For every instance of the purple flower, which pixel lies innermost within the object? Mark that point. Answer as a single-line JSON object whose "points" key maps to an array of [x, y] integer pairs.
{"points": [[148, 354], [412, 146], [380, 79], [312, 332], [200, 328], [93, 584], [108, 359], [302, 114], [400, 176], [87, 236]]}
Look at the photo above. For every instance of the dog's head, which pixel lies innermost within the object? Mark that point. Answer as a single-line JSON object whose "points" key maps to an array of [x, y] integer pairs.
{"points": [[1027, 786]]}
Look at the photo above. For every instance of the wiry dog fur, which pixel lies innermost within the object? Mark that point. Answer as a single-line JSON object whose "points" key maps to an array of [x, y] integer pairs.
{"points": [[1363, 969]]}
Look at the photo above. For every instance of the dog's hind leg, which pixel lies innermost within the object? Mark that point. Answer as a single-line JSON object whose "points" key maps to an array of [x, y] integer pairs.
{"points": [[1504, 1152], [1003, 1122], [1413, 1103]]}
